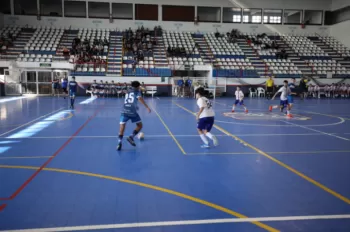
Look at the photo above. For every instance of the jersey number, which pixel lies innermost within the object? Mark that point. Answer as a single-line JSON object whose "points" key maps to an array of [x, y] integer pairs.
{"points": [[129, 98], [209, 105]]}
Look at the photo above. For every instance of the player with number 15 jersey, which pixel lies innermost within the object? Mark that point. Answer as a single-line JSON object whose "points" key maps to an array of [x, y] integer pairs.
{"points": [[129, 112]]}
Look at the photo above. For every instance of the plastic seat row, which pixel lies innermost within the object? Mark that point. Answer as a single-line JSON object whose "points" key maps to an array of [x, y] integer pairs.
{"points": [[186, 63], [34, 59]]}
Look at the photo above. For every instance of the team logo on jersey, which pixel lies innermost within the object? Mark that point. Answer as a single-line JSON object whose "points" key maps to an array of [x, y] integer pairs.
{"points": [[263, 116]]}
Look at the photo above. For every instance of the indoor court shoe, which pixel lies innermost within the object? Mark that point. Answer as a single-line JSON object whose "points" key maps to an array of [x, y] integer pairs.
{"points": [[246, 111], [131, 141], [232, 111], [119, 147], [205, 146], [270, 108], [289, 116], [215, 141]]}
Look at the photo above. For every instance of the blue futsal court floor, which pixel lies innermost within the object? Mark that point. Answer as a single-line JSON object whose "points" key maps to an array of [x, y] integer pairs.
{"points": [[59, 170]]}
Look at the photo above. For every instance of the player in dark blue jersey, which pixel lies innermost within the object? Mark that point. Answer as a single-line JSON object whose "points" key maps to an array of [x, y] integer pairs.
{"points": [[73, 87], [129, 112], [292, 88]]}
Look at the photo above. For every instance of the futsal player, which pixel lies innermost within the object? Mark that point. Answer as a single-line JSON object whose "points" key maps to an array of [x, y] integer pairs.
{"points": [[64, 87], [205, 118], [292, 88], [285, 91], [129, 112], [101, 89], [73, 86], [239, 100]]}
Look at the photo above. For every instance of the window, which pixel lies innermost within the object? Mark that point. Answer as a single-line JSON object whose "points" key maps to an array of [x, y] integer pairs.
{"points": [[6, 7], [98, 9], [245, 18], [313, 17], [209, 14], [146, 12], [266, 19], [232, 15], [236, 18], [25, 7], [51, 8], [292, 16], [272, 16], [256, 19], [74, 9], [252, 15], [178, 13], [122, 11], [275, 19]]}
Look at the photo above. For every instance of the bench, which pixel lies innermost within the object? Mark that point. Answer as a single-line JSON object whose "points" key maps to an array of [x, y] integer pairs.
{"points": [[151, 90]]}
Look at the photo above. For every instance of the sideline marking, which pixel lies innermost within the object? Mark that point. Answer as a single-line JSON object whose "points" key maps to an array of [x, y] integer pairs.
{"points": [[321, 132], [31, 122], [171, 192], [186, 222], [273, 153], [169, 131], [329, 115], [52, 157], [25, 157], [337, 195]]}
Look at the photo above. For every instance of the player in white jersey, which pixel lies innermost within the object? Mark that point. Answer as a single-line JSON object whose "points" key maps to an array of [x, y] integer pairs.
{"points": [[239, 100], [205, 118], [285, 91]]}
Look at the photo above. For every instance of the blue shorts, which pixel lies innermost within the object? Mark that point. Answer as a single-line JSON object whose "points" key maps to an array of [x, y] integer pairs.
{"points": [[206, 123], [239, 102], [134, 118], [71, 93], [290, 99], [284, 103]]}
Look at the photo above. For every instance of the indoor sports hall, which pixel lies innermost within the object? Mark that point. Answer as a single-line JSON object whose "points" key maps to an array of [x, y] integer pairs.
{"points": [[68, 71]]}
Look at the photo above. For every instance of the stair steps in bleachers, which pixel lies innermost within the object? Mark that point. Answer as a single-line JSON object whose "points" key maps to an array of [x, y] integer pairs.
{"points": [[66, 41], [259, 65], [159, 53], [204, 50], [115, 55], [19, 43]]}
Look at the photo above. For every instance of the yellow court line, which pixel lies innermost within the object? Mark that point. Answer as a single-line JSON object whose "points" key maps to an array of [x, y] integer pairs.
{"points": [[171, 192], [169, 131], [25, 157], [329, 115], [66, 118], [337, 195]]}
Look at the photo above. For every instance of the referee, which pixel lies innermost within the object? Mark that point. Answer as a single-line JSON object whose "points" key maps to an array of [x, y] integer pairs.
{"points": [[269, 87]]}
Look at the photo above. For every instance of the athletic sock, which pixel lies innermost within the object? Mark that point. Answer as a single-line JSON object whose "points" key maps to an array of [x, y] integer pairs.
{"points": [[274, 107], [288, 112], [71, 101], [120, 138], [233, 107], [209, 135], [134, 133], [204, 139]]}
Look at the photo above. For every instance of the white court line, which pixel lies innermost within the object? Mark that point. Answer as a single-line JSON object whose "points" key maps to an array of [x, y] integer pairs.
{"points": [[161, 136], [321, 132], [31, 122], [184, 222]]}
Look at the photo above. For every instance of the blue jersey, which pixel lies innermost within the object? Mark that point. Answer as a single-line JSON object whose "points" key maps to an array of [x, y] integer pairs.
{"points": [[73, 86], [292, 88], [130, 102], [64, 83], [180, 82]]}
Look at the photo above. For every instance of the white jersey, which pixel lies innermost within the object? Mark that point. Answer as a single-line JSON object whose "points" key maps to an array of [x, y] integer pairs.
{"points": [[208, 110], [285, 91], [239, 95]]}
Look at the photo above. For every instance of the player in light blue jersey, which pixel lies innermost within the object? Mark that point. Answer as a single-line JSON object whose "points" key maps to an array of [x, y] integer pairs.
{"points": [[129, 112], [73, 87]]}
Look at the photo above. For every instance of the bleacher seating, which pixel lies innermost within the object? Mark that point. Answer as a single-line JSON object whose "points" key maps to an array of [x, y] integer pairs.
{"points": [[185, 61], [44, 41], [221, 48], [305, 48], [34, 58], [181, 40], [337, 46], [322, 67], [92, 34], [283, 68]]}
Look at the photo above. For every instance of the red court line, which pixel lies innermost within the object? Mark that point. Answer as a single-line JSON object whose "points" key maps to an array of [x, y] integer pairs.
{"points": [[2, 207], [19, 190]]}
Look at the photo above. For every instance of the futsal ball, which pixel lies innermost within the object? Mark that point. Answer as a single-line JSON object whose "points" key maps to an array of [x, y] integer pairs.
{"points": [[141, 136]]}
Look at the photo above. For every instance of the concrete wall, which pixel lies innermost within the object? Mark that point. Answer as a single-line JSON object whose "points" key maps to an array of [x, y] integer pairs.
{"points": [[341, 32], [337, 4]]}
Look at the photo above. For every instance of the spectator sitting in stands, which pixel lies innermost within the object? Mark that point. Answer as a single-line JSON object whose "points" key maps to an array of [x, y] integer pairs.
{"points": [[66, 53], [149, 46]]}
